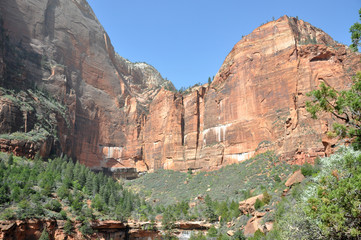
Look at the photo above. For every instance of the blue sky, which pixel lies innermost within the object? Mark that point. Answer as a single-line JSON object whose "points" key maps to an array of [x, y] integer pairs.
{"points": [[188, 40]]}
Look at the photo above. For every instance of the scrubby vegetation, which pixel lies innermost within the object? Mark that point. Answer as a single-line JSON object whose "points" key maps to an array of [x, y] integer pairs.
{"points": [[214, 196], [327, 205], [233, 182], [40, 110], [63, 190]]}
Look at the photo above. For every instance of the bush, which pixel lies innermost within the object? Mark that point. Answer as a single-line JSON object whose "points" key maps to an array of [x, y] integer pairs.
{"points": [[11, 159], [63, 215], [8, 214], [68, 227], [307, 169], [257, 235], [277, 178], [336, 204], [53, 205], [85, 229], [266, 197], [258, 204], [238, 235], [212, 232]]}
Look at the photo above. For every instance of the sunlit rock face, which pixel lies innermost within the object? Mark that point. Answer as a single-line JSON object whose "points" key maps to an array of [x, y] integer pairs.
{"points": [[119, 114], [255, 103]]}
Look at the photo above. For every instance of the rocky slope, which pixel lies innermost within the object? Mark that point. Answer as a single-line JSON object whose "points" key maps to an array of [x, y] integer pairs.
{"points": [[118, 116]]}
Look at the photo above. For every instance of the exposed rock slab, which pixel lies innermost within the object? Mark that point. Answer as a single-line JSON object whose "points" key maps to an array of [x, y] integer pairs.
{"points": [[254, 224], [247, 206], [296, 177]]}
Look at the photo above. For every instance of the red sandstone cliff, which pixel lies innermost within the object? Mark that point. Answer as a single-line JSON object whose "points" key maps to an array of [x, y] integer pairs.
{"points": [[255, 103], [117, 115], [59, 46]]}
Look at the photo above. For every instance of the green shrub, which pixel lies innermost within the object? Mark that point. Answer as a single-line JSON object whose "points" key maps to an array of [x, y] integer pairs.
{"points": [[257, 235], [63, 215], [8, 214], [266, 197], [258, 204], [307, 169], [238, 235], [53, 205], [11, 159], [68, 227], [277, 178], [212, 232], [338, 198], [85, 229], [223, 237]]}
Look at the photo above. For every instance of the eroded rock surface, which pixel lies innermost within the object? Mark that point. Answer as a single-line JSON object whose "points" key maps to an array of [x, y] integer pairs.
{"points": [[255, 103], [60, 47], [109, 229]]}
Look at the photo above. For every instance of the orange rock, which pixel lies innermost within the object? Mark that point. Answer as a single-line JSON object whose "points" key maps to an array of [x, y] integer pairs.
{"points": [[255, 103], [296, 177], [254, 224], [247, 206]]}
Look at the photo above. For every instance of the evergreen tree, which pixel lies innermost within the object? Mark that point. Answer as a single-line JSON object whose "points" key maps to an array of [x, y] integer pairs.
{"points": [[68, 227], [344, 105], [355, 31]]}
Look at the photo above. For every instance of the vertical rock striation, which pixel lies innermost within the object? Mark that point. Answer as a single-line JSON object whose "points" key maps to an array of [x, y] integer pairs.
{"points": [[60, 46], [255, 103]]}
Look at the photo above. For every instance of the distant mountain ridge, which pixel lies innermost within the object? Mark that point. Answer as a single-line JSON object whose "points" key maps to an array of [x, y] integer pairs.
{"points": [[119, 115]]}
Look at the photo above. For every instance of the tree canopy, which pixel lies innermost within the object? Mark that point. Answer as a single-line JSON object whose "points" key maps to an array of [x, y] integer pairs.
{"points": [[345, 105], [355, 31]]}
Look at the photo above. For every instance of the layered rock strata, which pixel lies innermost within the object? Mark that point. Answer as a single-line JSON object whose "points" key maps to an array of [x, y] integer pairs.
{"points": [[106, 230]]}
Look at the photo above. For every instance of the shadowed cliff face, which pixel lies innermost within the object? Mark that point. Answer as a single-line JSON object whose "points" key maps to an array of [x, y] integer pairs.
{"points": [[119, 116], [59, 46]]}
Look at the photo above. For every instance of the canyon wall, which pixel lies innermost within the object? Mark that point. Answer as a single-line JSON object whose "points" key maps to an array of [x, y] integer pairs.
{"points": [[119, 115], [60, 47], [255, 103]]}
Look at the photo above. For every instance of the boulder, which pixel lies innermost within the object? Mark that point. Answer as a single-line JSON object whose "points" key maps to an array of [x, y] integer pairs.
{"points": [[296, 177], [254, 224], [247, 206]]}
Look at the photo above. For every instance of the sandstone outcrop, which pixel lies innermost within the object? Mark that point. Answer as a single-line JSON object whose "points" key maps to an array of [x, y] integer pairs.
{"points": [[32, 229], [253, 224], [247, 206], [296, 177], [122, 115]]}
